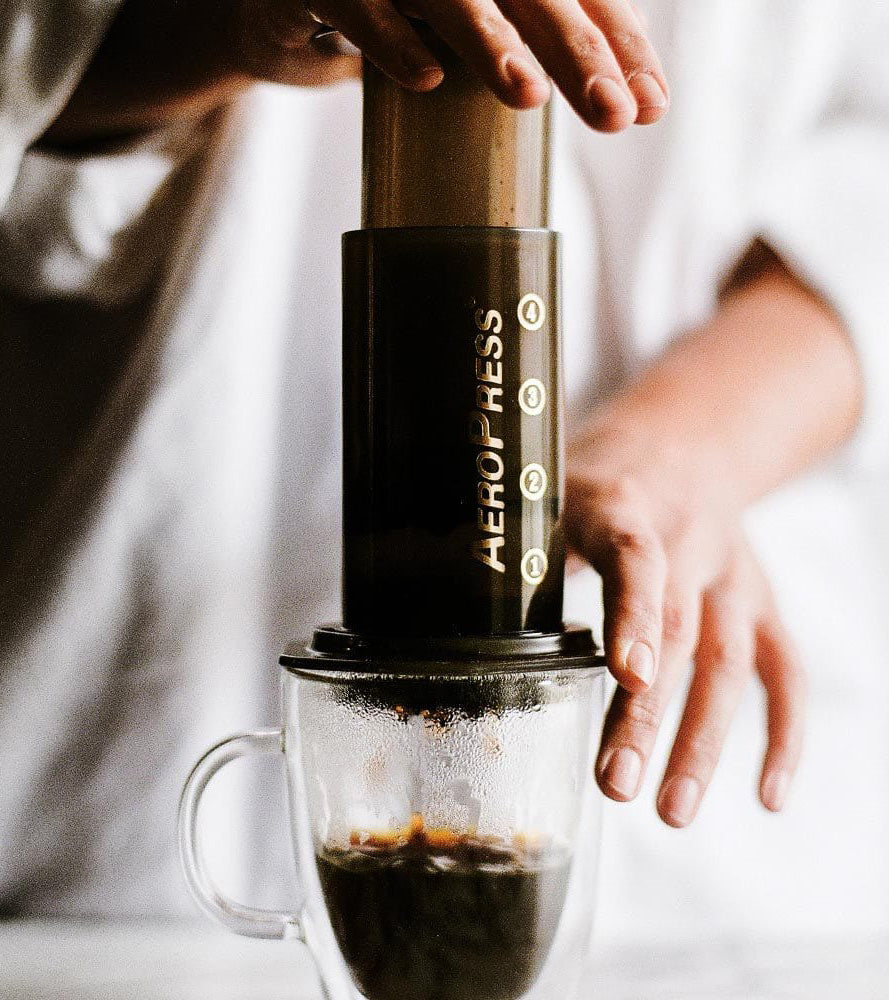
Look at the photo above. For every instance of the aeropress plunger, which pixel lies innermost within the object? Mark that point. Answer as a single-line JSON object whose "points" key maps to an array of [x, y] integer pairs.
{"points": [[440, 741], [453, 551]]}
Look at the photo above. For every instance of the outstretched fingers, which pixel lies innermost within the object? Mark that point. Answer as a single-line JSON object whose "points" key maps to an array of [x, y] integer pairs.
{"points": [[634, 718], [634, 571], [723, 666], [784, 681]]}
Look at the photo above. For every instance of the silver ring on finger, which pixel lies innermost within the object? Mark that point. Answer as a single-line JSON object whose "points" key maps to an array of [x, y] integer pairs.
{"points": [[323, 29]]}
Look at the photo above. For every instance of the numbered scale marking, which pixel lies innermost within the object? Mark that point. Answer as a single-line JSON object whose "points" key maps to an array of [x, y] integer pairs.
{"points": [[532, 397], [534, 566], [532, 312], [533, 481]]}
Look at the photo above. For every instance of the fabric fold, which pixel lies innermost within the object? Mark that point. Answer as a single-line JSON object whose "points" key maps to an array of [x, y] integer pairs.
{"points": [[45, 46]]}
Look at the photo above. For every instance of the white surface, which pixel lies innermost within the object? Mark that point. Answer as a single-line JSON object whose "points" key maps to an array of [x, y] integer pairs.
{"points": [[114, 961]]}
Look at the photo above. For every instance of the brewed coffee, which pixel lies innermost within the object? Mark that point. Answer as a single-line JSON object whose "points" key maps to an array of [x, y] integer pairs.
{"points": [[435, 916]]}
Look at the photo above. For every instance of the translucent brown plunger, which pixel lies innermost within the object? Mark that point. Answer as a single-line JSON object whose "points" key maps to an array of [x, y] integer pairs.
{"points": [[456, 156]]}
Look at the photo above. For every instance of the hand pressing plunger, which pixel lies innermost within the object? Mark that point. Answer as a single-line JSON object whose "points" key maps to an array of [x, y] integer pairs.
{"points": [[596, 52], [192, 56]]}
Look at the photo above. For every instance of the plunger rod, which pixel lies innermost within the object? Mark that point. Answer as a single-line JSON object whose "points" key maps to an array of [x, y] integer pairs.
{"points": [[456, 156]]}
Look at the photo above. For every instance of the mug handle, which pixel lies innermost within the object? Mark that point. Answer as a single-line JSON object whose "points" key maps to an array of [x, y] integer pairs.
{"points": [[246, 920]]}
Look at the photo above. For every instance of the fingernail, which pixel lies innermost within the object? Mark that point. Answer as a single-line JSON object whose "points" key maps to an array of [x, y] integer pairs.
{"points": [[608, 98], [640, 662], [648, 92], [520, 72], [422, 72], [622, 772], [775, 786], [678, 801]]}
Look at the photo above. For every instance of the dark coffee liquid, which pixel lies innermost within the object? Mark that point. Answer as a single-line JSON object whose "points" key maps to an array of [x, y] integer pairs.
{"points": [[444, 917]]}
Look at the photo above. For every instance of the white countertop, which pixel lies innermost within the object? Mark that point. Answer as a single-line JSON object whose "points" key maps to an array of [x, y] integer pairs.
{"points": [[57, 960]]}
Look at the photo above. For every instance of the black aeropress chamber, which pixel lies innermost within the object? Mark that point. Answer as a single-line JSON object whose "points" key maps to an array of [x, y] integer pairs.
{"points": [[453, 548]]}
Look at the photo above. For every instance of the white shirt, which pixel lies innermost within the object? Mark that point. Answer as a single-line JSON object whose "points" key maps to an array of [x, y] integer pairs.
{"points": [[170, 320]]}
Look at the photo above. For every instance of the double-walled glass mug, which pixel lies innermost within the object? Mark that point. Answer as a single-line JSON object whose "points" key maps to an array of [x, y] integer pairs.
{"points": [[446, 825]]}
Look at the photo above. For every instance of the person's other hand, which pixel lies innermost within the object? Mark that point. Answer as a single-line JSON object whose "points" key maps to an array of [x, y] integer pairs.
{"points": [[679, 585], [596, 51]]}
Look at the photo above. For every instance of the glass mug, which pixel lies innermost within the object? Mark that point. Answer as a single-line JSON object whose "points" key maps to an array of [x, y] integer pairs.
{"points": [[446, 830]]}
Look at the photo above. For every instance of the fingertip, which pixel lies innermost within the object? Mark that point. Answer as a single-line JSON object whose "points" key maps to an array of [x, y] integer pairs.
{"points": [[612, 793], [425, 78], [678, 800], [619, 773], [526, 87], [652, 100], [611, 123], [627, 681], [650, 116], [574, 563], [610, 107], [533, 96], [671, 821], [773, 790]]}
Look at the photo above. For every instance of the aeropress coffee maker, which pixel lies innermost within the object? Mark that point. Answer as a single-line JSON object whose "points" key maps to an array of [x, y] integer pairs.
{"points": [[439, 744]]}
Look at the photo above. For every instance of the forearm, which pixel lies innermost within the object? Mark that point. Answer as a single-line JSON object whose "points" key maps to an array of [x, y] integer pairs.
{"points": [[656, 484], [767, 387], [157, 62], [162, 61]]}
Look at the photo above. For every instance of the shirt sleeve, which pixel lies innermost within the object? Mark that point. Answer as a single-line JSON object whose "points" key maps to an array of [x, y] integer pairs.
{"points": [[825, 211], [89, 223], [99, 226], [45, 46]]}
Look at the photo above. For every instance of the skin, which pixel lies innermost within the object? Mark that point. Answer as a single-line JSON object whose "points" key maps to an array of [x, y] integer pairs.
{"points": [[767, 387], [163, 59]]}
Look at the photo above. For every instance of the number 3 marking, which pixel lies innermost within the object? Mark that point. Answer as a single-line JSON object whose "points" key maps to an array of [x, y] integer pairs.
{"points": [[532, 397]]}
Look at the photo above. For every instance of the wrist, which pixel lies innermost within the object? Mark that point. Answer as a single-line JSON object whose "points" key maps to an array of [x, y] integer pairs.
{"points": [[735, 408], [626, 446]]}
